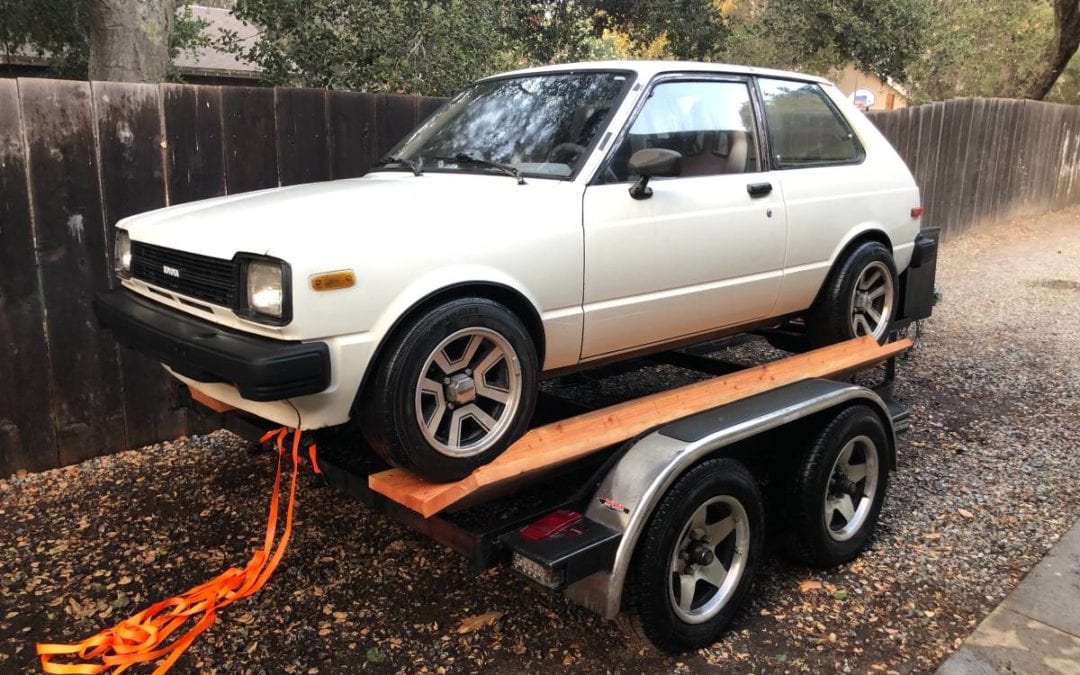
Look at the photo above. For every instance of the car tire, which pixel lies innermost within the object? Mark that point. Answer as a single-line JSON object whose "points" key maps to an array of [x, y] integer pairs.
{"points": [[858, 298], [838, 488], [455, 388], [725, 492]]}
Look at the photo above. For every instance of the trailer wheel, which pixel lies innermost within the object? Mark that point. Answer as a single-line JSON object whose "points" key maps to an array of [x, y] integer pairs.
{"points": [[695, 561], [838, 489]]}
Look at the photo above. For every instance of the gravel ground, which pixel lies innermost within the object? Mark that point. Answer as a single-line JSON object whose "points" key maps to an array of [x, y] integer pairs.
{"points": [[986, 483]]}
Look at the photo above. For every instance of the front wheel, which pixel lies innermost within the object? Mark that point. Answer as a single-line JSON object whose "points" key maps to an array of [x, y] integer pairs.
{"points": [[859, 298], [458, 386], [696, 559]]}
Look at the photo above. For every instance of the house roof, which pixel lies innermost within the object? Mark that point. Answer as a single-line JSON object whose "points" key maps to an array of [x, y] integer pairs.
{"points": [[213, 61]]}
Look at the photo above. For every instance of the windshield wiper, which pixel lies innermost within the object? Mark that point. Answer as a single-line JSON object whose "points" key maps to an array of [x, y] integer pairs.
{"points": [[465, 158], [412, 165]]}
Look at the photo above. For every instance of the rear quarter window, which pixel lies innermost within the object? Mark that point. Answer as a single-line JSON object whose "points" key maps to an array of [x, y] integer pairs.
{"points": [[805, 129]]}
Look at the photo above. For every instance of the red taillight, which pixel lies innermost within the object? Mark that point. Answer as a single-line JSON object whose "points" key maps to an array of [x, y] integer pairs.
{"points": [[916, 211], [556, 522]]}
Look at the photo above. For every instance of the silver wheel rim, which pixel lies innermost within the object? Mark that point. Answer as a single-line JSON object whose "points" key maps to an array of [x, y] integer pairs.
{"points": [[468, 392], [709, 560], [852, 486], [871, 303]]}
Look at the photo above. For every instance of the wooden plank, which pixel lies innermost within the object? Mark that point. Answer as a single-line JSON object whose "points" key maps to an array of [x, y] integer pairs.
{"points": [[976, 144], [250, 139], [27, 432], [210, 402], [931, 173], [195, 159], [352, 133], [1013, 133], [1056, 156], [66, 205], [128, 118], [997, 160], [1072, 193], [552, 445], [395, 117], [302, 139]]}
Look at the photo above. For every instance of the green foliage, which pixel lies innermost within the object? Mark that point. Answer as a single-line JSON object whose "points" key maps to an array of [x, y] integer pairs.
{"points": [[982, 48], [424, 46], [55, 29], [59, 30], [691, 29], [879, 36]]}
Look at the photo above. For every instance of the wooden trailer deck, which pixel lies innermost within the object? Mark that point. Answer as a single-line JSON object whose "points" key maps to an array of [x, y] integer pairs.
{"points": [[546, 448]]}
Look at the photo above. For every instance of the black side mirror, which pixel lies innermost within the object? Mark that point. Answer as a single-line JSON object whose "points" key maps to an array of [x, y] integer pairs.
{"points": [[652, 162]]}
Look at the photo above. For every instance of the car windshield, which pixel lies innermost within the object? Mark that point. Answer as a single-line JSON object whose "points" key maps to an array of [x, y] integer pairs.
{"points": [[540, 125]]}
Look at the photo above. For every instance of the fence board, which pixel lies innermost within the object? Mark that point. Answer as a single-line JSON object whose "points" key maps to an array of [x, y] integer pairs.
{"points": [[352, 133], [426, 107], [250, 139], [302, 139], [195, 161], [128, 118], [976, 144], [395, 116], [66, 208], [27, 433]]}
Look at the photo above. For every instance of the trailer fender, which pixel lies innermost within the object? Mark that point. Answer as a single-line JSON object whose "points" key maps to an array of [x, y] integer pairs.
{"points": [[629, 492]]}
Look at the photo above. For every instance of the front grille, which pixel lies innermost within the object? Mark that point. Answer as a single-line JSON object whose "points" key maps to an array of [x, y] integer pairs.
{"points": [[197, 276]]}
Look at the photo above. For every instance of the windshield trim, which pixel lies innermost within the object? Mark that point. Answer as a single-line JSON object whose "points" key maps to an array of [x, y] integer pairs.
{"points": [[616, 105]]}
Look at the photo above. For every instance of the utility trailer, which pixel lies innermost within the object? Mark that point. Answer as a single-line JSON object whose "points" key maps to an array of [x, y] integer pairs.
{"points": [[657, 505]]}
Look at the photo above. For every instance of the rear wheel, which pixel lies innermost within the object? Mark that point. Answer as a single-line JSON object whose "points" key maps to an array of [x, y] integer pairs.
{"points": [[859, 298], [696, 559], [838, 489], [456, 389]]}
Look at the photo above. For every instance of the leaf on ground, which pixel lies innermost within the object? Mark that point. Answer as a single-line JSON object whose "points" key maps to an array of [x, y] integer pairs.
{"points": [[808, 585], [479, 621], [965, 513], [376, 655]]}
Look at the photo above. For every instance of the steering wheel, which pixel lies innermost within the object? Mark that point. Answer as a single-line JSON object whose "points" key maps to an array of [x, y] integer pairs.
{"points": [[565, 153]]}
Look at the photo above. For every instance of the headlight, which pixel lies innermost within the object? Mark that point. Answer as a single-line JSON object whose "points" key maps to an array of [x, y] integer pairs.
{"points": [[265, 288], [122, 254]]}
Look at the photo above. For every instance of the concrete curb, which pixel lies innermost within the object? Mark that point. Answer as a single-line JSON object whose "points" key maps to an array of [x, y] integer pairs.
{"points": [[1037, 628]]}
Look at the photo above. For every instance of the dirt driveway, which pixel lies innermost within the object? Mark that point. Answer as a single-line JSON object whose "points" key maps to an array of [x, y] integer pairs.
{"points": [[987, 481]]}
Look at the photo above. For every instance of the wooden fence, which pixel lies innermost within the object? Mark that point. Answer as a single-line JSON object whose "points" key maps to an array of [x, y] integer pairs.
{"points": [[987, 159], [75, 157]]}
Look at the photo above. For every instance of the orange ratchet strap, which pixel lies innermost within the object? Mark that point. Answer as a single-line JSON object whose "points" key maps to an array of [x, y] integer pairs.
{"points": [[140, 638]]}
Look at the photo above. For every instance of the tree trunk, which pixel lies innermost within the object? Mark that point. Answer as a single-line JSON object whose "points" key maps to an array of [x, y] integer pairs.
{"points": [[1061, 50], [129, 39]]}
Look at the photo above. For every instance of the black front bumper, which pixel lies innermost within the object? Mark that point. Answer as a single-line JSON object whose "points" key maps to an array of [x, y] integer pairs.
{"points": [[262, 369]]}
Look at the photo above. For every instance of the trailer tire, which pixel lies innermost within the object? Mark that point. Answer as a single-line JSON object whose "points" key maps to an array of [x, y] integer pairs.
{"points": [[834, 502], [695, 561]]}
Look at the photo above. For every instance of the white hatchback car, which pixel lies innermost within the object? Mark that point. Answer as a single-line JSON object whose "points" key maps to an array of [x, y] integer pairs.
{"points": [[543, 220]]}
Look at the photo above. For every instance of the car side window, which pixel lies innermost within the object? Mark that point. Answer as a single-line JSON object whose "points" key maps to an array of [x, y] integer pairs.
{"points": [[710, 123], [805, 129]]}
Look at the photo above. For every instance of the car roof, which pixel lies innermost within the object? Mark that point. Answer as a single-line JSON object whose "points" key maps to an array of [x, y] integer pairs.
{"points": [[647, 69]]}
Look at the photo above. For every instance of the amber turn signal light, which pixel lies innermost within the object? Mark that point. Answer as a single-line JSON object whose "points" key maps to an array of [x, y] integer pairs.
{"points": [[331, 281]]}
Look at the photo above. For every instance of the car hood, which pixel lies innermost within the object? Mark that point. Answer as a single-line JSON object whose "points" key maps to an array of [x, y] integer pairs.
{"points": [[382, 208]]}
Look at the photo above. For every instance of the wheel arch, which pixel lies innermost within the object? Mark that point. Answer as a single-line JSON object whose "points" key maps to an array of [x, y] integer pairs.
{"points": [[650, 465], [854, 239], [502, 293]]}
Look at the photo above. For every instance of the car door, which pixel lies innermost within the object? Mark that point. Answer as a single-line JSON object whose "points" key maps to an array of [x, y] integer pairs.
{"points": [[706, 249]]}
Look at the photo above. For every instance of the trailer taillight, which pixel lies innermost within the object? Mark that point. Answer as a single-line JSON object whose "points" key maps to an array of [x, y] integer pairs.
{"points": [[554, 523], [916, 211]]}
